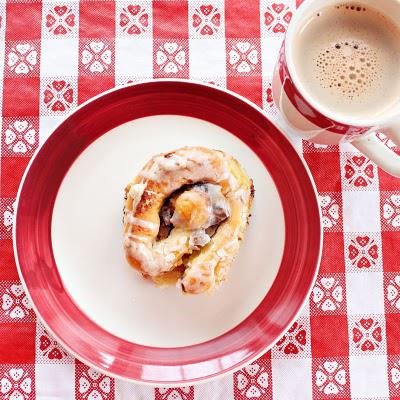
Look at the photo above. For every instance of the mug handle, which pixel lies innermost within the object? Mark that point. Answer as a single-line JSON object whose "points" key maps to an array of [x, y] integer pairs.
{"points": [[378, 152]]}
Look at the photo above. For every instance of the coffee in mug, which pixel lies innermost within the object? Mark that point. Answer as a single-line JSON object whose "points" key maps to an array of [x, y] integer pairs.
{"points": [[348, 58], [337, 77]]}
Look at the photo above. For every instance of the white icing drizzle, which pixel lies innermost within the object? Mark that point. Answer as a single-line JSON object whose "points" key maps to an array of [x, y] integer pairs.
{"points": [[171, 163], [143, 254], [221, 253], [193, 165], [166, 247], [154, 193], [141, 222], [204, 275], [231, 245], [219, 204], [241, 195], [166, 164], [129, 236], [198, 238], [136, 192], [170, 257]]}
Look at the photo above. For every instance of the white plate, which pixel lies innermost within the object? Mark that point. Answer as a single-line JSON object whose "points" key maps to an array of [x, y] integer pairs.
{"points": [[87, 238]]}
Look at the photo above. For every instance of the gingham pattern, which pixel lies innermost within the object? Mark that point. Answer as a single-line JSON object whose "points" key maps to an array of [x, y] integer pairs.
{"points": [[55, 55]]}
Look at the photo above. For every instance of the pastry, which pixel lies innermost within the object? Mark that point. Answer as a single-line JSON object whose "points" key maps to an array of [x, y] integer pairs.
{"points": [[184, 216]]}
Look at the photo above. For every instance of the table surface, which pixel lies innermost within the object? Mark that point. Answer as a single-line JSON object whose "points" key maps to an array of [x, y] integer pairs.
{"points": [[56, 55]]}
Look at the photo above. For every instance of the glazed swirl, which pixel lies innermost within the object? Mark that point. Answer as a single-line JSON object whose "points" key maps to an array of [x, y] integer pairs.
{"points": [[202, 200]]}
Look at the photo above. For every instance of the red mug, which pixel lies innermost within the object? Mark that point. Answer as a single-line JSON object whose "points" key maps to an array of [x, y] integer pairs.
{"points": [[310, 120]]}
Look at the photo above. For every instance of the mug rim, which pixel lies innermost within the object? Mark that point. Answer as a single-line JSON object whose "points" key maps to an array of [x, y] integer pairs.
{"points": [[297, 20]]}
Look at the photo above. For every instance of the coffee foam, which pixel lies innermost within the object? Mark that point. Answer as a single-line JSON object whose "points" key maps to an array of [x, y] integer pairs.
{"points": [[347, 54], [349, 66]]}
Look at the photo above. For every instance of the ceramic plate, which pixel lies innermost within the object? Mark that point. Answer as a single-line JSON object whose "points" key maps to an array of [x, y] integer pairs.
{"points": [[68, 236]]}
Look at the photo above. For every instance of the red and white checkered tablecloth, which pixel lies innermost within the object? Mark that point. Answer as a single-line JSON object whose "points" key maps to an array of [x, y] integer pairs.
{"points": [[57, 54]]}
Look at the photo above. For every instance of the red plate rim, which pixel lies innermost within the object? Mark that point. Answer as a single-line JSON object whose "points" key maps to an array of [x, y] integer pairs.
{"points": [[114, 356]]}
